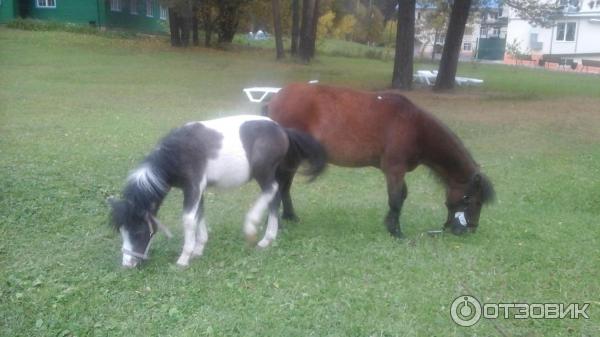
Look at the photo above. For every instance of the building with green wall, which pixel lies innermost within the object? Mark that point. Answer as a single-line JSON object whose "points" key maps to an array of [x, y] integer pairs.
{"points": [[8, 10], [138, 15]]}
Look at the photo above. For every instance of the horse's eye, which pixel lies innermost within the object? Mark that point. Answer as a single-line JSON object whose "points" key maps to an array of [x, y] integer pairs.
{"points": [[466, 198]]}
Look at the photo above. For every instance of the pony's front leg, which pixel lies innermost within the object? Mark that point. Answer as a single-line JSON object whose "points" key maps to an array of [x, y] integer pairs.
{"points": [[254, 215], [189, 234], [272, 222], [192, 212]]}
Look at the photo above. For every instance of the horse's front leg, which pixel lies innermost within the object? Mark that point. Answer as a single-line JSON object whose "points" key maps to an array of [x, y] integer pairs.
{"points": [[254, 215], [201, 232], [397, 192], [272, 222], [191, 213]]}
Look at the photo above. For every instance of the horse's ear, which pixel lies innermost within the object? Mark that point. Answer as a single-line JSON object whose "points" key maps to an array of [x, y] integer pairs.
{"points": [[486, 187], [111, 200]]}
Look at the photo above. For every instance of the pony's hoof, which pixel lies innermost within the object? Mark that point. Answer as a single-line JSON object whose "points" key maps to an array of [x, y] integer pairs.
{"points": [[290, 217], [459, 230], [183, 262], [197, 252], [397, 235], [251, 239], [263, 244]]}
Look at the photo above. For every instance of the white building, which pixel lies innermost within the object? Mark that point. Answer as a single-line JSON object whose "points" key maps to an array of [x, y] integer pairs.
{"points": [[575, 36], [486, 23]]}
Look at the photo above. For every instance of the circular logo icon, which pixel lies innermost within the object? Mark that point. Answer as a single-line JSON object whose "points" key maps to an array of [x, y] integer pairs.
{"points": [[465, 310]]}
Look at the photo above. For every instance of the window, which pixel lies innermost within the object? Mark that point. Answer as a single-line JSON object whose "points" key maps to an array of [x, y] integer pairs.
{"points": [[46, 3], [565, 31], [133, 7], [115, 5], [164, 12], [467, 46], [483, 32], [149, 9]]}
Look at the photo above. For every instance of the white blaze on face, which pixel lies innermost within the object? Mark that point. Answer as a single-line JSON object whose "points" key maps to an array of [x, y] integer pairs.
{"points": [[461, 218], [128, 260]]}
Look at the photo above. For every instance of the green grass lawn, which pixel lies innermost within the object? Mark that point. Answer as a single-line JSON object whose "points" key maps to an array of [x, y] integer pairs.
{"points": [[77, 112]]}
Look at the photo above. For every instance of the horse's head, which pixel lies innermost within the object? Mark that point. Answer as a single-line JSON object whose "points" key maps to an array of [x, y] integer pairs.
{"points": [[464, 203], [137, 227]]}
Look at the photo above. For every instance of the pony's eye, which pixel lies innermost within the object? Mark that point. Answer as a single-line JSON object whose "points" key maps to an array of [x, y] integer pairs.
{"points": [[466, 198]]}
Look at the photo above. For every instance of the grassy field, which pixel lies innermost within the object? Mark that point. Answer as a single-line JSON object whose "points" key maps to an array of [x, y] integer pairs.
{"points": [[77, 112]]}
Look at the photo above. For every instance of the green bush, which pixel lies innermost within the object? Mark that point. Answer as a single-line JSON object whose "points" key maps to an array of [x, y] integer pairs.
{"points": [[42, 25]]}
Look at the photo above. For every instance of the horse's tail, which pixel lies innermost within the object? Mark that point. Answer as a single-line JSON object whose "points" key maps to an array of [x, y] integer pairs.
{"points": [[304, 147]]}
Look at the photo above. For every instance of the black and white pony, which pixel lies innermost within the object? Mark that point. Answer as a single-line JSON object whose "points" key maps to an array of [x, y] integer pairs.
{"points": [[224, 153]]}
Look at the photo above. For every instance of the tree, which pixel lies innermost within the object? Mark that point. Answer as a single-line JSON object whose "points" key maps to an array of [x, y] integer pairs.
{"points": [[405, 38], [456, 28], [431, 23], [277, 28], [306, 30], [180, 21], [228, 19], [313, 30], [295, 26], [208, 14], [537, 12]]}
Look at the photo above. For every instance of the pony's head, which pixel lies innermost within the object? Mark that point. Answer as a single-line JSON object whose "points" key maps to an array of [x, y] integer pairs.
{"points": [[137, 227], [464, 203]]}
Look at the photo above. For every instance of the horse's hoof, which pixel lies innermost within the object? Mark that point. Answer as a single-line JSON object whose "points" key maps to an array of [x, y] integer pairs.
{"points": [[290, 217], [263, 244], [251, 239], [397, 235], [459, 230]]}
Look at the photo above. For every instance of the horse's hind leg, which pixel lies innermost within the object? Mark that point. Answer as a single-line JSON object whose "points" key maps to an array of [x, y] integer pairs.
{"points": [[397, 192], [201, 231], [254, 215], [272, 221], [285, 176]]}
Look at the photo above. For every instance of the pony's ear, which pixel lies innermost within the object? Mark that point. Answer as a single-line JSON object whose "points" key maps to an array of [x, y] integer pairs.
{"points": [[111, 200], [486, 187], [120, 212]]}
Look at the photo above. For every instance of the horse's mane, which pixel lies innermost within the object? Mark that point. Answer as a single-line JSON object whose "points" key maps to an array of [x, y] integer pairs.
{"points": [[443, 152]]}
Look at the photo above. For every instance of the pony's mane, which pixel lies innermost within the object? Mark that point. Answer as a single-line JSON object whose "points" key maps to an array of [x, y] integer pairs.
{"points": [[446, 151], [443, 151], [144, 191]]}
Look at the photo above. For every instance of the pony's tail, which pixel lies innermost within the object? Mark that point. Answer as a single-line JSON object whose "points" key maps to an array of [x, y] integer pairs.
{"points": [[303, 147]]}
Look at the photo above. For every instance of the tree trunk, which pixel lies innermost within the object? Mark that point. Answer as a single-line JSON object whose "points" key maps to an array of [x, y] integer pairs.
{"points": [[207, 21], [277, 28], [174, 28], [456, 28], [435, 39], [305, 30], [195, 26], [405, 41], [227, 21], [295, 26], [313, 29], [185, 30]]}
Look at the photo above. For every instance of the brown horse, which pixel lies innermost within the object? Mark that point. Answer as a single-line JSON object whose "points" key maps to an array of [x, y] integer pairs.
{"points": [[387, 131]]}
